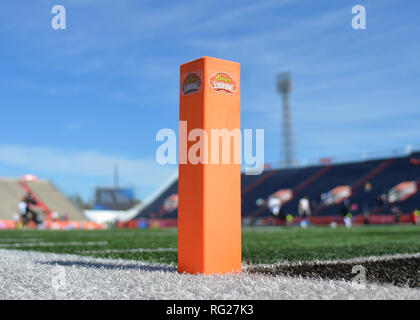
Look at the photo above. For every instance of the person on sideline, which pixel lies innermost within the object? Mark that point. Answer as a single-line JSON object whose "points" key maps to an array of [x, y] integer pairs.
{"points": [[304, 209]]}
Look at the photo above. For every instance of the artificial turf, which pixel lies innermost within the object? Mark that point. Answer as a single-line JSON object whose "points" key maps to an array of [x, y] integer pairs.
{"points": [[259, 244]]}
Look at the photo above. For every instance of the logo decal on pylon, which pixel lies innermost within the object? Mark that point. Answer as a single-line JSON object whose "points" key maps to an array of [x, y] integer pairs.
{"points": [[223, 82], [191, 83]]}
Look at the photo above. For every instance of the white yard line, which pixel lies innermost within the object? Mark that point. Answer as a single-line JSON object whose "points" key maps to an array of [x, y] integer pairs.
{"points": [[38, 275], [351, 260], [134, 250], [53, 244], [20, 240]]}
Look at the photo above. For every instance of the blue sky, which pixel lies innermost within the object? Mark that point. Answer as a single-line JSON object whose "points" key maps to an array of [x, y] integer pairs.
{"points": [[76, 102]]}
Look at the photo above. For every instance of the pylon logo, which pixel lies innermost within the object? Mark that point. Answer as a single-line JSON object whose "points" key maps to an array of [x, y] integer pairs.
{"points": [[191, 83], [223, 82]]}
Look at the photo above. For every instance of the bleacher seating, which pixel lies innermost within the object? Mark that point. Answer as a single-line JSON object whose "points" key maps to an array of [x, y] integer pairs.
{"points": [[12, 192], [382, 174], [155, 208], [400, 170], [55, 200]]}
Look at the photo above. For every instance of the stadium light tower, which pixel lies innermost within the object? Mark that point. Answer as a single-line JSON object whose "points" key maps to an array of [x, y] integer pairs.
{"points": [[284, 87]]}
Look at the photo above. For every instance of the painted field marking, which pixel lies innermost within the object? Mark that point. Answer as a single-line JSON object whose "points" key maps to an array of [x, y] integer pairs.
{"points": [[21, 240], [134, 250], [53, 244]]}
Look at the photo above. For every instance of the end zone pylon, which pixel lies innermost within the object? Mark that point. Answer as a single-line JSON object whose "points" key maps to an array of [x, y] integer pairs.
{"points": [[209, 211]]}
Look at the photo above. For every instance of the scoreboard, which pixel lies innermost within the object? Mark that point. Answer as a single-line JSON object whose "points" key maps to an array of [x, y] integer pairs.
{"points": [[114, 199]]}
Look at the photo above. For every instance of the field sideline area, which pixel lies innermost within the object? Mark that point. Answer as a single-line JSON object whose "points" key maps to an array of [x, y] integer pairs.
{"points": [[261, 245], [278, 264]]}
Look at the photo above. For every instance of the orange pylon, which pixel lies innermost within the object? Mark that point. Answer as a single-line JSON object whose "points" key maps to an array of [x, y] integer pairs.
{"points": [[209, 214]]}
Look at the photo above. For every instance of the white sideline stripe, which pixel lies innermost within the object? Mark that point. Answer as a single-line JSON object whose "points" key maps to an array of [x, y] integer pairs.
{"points": [[21, 240], [134, 250], [53, 244], [327, 262], [30, 275]]}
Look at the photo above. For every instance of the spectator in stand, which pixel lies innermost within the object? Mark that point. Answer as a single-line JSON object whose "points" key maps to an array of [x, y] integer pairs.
{"points": [[314, 205], [31, 217], [54, 216], [379, 202], [396, 211], [415, 216], [276, 209], [274, 204], [366, 217], [16, 219], [326, 198], [25, 212], [29, 200], [22, 207], [346, 212], [382, 200], [289, 220], [367, 190], [304, 209]]}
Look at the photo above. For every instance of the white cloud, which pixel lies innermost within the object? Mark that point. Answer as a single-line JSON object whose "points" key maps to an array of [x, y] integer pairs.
{"points": [[50, 161]]}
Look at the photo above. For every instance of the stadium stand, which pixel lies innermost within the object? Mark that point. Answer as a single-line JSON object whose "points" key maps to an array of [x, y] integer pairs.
{"points": [[55, 200], [281, 179], [11, 193], [156, 207], [400, 170], [313, 181], [345, 174], [51, 199]]}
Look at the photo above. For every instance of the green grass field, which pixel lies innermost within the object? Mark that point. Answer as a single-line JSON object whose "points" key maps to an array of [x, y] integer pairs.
{"points": [[260, 245]]}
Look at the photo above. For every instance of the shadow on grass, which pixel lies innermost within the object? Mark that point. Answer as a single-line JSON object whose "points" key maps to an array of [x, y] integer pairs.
{"points": [[111, 266], [403, 272]]}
